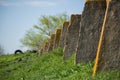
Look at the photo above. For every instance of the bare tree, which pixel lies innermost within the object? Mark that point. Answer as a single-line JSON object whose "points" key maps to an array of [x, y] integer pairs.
{"points": [[1, 50]]}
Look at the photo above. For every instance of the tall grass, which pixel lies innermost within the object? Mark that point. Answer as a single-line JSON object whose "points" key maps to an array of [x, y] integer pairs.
{"points": [[49, 67]]}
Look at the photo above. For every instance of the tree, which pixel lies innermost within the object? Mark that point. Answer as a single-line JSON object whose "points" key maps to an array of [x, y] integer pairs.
{"points": [[32, 39], [35, 37], [48, 24], [1, 50]]}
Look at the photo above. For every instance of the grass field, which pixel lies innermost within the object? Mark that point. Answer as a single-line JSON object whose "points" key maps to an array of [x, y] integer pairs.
{"points": [[30, 66]]}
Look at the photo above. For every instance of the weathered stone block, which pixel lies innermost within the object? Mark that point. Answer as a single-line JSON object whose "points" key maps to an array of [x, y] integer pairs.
{"points": [[90, 28], [109, 58], [72, 36], [63, 34], [46, 46], [41, 51], [57, 38], [52, 40]]}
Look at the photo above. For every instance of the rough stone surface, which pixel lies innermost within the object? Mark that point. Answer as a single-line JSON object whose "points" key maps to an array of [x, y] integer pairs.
{"points": [[94, 0], [110, 52], [51, 45], [63, 34], [45, 48], [72, 36], [91, 24], [41, 51], [57, 38]]}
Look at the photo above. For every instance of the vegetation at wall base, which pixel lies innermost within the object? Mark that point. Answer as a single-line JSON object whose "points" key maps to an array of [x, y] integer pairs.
{"points": [[50, 66]]}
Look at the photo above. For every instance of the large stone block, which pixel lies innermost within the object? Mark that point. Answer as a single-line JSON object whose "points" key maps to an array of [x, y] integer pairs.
{"points": [[41, 51], [63, 34], [51, 44], [46, 47], [90, 28], [72, 36], [109, 58], [57, 38]]}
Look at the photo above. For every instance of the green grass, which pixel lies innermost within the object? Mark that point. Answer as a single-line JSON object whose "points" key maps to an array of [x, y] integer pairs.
{"points": [[48, 67]]}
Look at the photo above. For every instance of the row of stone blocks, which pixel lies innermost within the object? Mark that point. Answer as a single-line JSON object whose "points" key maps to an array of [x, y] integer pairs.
{"points": [[52, 43], [81, 35]]}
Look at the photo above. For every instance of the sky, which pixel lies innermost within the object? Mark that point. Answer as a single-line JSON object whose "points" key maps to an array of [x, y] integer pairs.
{"points": [[18, 16]]}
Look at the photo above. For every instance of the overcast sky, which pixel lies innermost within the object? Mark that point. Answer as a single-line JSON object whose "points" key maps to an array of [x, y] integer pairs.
{"points": [[18, 16]]}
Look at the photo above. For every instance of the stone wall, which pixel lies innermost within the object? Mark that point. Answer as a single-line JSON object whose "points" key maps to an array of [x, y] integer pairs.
{"points": [[82, 35]]}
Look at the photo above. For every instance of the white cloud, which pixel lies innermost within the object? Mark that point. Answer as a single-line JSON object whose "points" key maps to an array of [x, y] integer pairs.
{"points": [[4, 3], [39, 3], [28, 3]]}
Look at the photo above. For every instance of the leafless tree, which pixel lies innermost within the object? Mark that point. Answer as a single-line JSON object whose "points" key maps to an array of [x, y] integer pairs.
{"points": [[1, 50]]}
